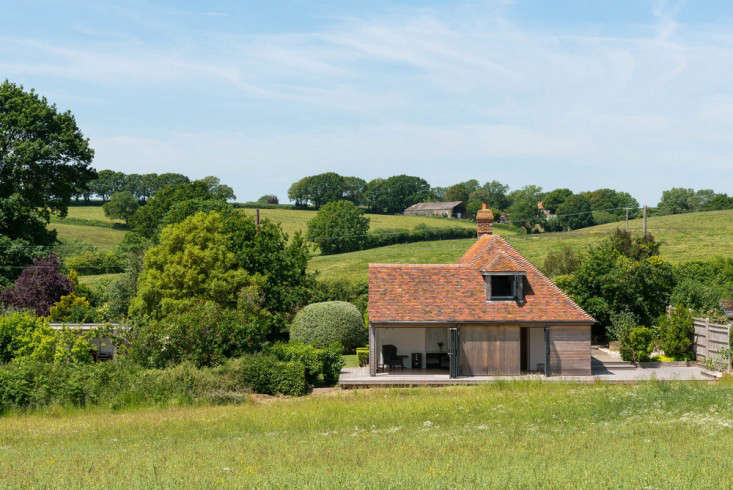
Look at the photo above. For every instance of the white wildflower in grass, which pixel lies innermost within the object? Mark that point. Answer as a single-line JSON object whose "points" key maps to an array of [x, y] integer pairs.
{"points": [[427, 423]]}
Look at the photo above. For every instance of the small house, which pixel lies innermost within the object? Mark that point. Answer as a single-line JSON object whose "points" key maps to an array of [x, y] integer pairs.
{"points": [[452, 209], [491, 313]]}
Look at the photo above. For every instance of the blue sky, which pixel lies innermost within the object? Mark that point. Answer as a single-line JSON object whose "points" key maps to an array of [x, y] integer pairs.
{"points": [[631, 95]]}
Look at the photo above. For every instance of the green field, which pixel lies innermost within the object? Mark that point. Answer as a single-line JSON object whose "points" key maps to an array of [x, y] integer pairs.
{"points": [[507, 435], [684, 237], [91, 213], [73, 235], [297, 220]]}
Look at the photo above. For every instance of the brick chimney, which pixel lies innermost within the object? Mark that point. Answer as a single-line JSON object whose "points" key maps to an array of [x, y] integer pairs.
{"points": [[484, 219]]}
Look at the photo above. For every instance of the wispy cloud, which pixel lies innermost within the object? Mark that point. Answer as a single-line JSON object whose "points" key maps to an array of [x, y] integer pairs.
{"points": [[421, 92]]}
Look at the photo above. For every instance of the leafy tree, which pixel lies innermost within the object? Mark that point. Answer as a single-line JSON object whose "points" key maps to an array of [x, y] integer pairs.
{"points": [[16, 254], [498, 197], [122, 205], [118, 293], [395, 194], [718, 201], [44, 157], [148, 218], [553, 199], [676, 332], [166, 179], [217, 190], [38, 287], [524, 211], [575, 212], [268, 199], [461, 191], [338, 227], [74, 309], [493, 194], [697, 296], [107, 183], [677, 200], [183, 209], [353, 189], [613, 202], [636, 248], [221, 257], [13, 327], [608, 282]]}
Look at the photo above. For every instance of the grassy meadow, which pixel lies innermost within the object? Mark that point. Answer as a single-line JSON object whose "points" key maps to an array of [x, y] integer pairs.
{"points": [[684, 237], [293, 220], [505, 435]]}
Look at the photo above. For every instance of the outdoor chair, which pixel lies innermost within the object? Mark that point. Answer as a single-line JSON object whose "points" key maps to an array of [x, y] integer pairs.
{"points": [[390, 358]]}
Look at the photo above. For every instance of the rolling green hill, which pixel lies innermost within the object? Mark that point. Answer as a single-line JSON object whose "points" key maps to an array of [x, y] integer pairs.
{"points": [[684, 237]]}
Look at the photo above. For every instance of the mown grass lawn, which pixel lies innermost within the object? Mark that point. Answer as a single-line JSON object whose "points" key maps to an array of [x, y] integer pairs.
{"points": [[508, 435]]}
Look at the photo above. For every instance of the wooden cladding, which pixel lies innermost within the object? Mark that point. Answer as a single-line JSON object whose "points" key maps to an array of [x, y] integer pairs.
{"points": [[570, 351], [490, 351]]}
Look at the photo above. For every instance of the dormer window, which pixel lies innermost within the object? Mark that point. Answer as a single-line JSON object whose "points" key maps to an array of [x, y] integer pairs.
{"points": [[504, 286]]}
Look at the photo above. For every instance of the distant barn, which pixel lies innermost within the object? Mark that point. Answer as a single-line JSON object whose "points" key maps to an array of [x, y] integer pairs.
{"points": [[453, 209]]}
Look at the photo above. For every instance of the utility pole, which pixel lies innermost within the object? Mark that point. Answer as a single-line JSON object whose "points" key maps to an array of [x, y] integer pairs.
{"points": [[627, 219], [644, 225], [257, 220]]}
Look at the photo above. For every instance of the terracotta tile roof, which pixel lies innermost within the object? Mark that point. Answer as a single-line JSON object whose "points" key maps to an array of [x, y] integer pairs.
{"points": [[455, 293], [501, 262]]}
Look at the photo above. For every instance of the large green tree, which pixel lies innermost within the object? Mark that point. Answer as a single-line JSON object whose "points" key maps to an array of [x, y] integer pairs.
{"points": [[609, 282], [575, 212], [553, 199], [149, 218], [461, 191], [44, 157], [338, 227], [524, 211], [122, 205], [224, 258], [395, 194]]}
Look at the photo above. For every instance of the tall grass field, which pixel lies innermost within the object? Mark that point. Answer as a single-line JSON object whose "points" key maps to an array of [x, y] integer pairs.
{"points": [[506, 435]]}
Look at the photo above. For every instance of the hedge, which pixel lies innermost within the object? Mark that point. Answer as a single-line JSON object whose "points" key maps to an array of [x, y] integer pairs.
{"points": [[421, 233], [322, 366], [27, 384]]}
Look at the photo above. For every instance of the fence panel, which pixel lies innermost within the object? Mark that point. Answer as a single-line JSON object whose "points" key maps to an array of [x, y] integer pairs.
{"points": [[710, 340]]}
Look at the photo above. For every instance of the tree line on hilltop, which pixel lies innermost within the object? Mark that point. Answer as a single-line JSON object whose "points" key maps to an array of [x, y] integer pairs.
{"points": [[529, 207]]}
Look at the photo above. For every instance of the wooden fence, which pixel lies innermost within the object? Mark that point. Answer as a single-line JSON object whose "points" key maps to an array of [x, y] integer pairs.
{"points": [[710, 340]]}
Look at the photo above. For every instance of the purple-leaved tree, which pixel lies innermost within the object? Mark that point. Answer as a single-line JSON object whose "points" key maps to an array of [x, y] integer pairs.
{"points": [[38, 287]]}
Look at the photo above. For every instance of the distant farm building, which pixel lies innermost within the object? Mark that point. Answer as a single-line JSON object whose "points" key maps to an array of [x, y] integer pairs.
{"points": [[453, 209]]}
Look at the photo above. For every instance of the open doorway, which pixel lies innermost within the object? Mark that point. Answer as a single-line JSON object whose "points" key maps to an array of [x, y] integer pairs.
{"points": [[524, 349]]}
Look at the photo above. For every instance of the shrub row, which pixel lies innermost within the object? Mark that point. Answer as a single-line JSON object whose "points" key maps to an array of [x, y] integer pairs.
{"points": [[285, 369], [421, 233]]}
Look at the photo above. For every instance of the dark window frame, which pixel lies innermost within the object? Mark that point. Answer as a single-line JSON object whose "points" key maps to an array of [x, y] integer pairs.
{"points": [[516, 286]]}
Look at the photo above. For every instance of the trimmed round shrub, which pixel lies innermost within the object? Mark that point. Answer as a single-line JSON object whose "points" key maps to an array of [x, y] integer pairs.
{"points": [[322, 324]]}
